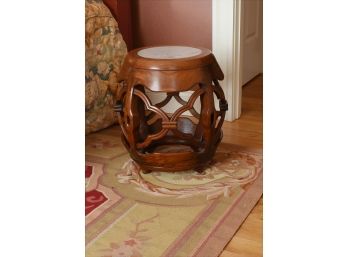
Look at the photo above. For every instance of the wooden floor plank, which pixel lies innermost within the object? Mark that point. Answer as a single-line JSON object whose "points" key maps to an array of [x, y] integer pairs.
{"points": [[247, 132]]}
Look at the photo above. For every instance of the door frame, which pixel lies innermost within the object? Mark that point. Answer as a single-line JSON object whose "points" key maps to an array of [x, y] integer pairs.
{"points": [[226, 45]]}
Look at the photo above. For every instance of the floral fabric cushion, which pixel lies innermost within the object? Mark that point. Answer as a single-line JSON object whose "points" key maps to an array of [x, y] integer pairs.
{"points": [[105, 52]]}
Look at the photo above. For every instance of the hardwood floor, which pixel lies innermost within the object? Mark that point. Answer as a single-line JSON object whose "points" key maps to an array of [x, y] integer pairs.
{"points": [[247, 132]]}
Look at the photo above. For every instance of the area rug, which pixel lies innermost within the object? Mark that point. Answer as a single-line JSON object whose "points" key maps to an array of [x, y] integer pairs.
{"points": [[132, 214]]}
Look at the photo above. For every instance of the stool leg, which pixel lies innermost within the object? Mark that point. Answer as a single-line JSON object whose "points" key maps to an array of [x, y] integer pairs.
{"points": [[207, 119], [139, 116], [199, 170]]}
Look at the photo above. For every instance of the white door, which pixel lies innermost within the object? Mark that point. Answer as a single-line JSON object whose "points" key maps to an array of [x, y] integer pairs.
{"points": [[251, 39]]}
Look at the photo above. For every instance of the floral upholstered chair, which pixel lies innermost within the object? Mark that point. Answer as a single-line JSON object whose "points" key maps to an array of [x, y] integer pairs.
{"points": [[105, 52]]}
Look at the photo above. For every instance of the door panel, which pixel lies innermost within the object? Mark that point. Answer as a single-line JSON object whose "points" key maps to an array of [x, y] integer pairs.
{"points": [[251, 39]]}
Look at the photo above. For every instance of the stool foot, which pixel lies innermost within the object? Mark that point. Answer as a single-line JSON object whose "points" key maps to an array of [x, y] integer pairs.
{"points": [[200, 170]]}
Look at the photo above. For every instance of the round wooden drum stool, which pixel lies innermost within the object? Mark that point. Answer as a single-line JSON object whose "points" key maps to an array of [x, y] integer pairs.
{"points": [[158, 136]]}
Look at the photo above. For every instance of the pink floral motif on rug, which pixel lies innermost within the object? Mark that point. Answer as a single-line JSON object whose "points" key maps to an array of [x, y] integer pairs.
{"points": [[93, 198], [98, 198]]}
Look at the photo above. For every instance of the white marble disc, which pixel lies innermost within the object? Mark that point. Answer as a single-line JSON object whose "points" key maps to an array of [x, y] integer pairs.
{"points": [[169, 52]]}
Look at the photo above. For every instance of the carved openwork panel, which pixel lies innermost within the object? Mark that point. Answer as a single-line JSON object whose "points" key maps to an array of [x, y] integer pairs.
{"points": [[150, 123]]}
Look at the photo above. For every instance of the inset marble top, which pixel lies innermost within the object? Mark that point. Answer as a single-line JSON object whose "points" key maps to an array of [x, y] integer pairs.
{"points": [[169, 52]]}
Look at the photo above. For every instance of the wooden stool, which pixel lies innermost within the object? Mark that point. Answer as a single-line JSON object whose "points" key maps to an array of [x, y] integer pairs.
{"points": [[171, 141]]}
